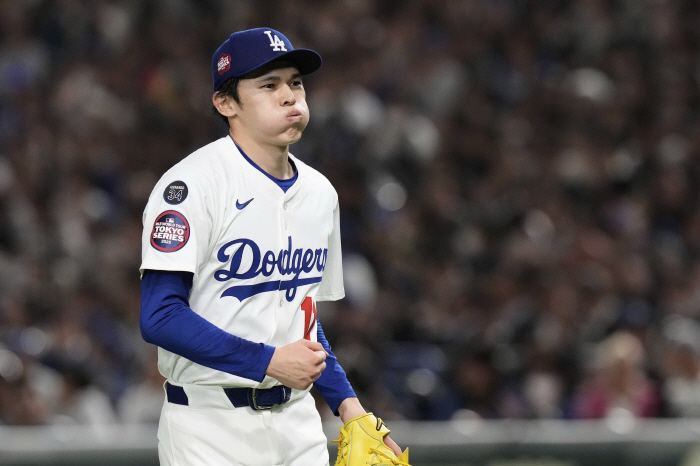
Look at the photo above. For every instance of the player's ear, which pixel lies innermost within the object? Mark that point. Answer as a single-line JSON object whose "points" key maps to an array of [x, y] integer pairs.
{"points": [[225, 105]]}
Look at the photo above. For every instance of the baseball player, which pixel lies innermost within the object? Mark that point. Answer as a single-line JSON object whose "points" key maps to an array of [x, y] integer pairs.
{"points": [[240, 241]]}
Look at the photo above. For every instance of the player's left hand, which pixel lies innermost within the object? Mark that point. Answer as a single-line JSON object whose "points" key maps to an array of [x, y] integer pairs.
{"points": [[365, 440], [391, 444], [351, 408]]}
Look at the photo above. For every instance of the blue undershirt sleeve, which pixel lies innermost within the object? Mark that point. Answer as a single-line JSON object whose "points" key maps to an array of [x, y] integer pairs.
{"points": [[333, 384], [168, 321]]}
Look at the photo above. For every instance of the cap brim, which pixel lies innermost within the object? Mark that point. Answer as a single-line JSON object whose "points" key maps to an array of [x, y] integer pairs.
{"points": [[305, 60]]}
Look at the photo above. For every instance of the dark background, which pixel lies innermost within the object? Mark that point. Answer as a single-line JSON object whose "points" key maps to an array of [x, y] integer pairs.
{"points": [[518, 184]]}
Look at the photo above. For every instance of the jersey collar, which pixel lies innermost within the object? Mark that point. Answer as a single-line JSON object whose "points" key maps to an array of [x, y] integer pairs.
{"points": [[284, 185], [268, 182]]}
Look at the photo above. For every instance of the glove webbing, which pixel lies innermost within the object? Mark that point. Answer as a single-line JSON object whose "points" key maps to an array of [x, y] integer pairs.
{"points": [[342, 444], [393, 461]]}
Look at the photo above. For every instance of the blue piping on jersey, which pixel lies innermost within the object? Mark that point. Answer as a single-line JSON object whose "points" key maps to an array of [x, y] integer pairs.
{"points": [[283, 184]]}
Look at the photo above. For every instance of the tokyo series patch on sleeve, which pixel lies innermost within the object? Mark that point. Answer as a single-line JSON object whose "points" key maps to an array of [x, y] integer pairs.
{"points": [[170, 231]]}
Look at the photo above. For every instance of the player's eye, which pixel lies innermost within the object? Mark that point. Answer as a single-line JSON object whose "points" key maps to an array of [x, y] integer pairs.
{"points": [[297, 83], [268, 86]]}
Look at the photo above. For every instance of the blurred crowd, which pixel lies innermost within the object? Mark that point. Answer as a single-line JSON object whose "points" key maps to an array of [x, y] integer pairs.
{"points": [[518, 182]]}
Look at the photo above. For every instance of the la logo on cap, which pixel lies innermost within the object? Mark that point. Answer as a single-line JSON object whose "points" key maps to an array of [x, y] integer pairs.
{"points": [[276, 44], [224, 63]]}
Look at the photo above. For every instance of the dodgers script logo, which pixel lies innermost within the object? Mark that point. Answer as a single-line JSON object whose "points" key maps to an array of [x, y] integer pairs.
{"points": [[286, 262]]}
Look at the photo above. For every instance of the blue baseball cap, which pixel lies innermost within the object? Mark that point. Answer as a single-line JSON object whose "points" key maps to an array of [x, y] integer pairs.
{"points": [[246, 51]]}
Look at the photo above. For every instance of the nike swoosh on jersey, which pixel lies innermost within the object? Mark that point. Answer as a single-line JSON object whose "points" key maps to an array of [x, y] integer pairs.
{"points": [[240, 206]]}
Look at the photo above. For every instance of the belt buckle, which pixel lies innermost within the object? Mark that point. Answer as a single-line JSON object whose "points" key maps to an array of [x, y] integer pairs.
{"points": [[255, 406]]}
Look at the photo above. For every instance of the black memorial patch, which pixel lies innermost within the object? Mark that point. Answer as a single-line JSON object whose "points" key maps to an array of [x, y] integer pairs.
{"points": [[175, 193]]}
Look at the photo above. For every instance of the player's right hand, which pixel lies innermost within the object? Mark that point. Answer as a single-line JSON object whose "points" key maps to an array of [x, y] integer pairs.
{"points": [[299, 364]]}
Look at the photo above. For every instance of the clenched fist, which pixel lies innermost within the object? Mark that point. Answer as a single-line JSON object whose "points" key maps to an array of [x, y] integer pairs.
{"points": [[299, 364]]}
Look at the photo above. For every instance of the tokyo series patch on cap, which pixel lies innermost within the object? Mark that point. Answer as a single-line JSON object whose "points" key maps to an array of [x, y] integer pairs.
{"points": [[246, 51]]}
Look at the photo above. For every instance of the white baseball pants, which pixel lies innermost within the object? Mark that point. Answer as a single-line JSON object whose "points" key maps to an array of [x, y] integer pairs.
{"points": [[210, 432]]}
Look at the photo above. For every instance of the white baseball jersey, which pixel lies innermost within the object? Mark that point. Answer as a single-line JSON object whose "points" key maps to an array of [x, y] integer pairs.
{"points": [[260, 257]]}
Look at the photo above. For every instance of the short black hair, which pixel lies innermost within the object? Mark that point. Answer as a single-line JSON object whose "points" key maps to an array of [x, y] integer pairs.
{"points": [[228, 88]]}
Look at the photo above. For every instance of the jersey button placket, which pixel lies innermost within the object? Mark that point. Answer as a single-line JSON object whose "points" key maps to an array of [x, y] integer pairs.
{"points": [[285, 207], [286, 227]]}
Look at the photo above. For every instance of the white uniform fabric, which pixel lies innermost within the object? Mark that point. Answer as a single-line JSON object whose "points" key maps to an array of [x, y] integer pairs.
{"points": [[256, 253], [289, 434], [232, 250]]}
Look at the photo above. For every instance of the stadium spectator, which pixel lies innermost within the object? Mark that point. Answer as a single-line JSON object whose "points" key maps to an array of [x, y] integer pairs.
{"points": [[520, 177]]}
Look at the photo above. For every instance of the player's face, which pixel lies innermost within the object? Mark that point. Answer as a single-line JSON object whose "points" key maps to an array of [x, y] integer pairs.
{"points": [[273, 106]]}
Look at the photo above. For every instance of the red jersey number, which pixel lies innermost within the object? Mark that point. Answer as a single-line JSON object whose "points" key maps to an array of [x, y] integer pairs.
{"points": [[309, 308]]}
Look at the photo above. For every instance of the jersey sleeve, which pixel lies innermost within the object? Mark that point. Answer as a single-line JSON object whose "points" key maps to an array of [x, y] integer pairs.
{"points": [[178, 221], [333, 384], [331, 288], [167, 320]]}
